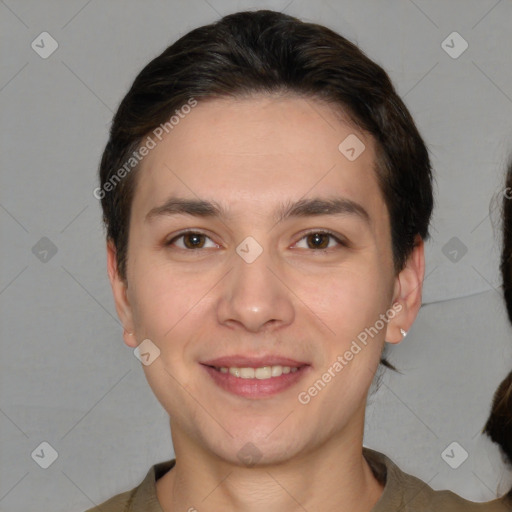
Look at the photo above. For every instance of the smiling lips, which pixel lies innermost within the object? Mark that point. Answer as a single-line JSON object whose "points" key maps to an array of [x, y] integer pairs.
{"points": [[257, 377], [263, 367]]}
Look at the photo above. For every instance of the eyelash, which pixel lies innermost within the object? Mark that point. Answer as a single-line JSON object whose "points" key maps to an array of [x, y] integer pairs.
{"points": [[341, 242]]}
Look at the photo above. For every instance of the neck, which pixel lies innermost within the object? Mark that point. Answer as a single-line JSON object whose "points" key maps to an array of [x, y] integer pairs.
{"points": [[334, 476]]}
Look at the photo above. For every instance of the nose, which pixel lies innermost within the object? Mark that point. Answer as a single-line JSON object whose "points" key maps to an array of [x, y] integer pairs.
{"points": [[254, 296]]}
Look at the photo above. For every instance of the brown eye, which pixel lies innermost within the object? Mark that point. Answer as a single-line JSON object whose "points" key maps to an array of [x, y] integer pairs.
{"points": [[318, 240], [193, 240], [190, 240]]}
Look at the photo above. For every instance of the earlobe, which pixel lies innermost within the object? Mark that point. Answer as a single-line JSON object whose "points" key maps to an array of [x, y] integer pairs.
{"points": [[119, 290], [408, 290], [129, 339]]}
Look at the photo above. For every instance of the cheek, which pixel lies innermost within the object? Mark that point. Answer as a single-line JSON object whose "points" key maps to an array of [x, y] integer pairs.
{"points": [[350, 299], [167, 310], [164, 299], [350, 303]]}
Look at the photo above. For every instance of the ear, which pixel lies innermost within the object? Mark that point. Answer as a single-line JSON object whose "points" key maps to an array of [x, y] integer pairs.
{"points": [[407, 293], [119, 289]]}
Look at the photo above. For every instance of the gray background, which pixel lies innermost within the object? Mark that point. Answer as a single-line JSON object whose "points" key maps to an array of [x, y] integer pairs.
{"points": [[66, 376]]}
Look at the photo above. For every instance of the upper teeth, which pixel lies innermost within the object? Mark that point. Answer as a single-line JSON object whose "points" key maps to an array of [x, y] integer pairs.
{"points": [[265, 372]]}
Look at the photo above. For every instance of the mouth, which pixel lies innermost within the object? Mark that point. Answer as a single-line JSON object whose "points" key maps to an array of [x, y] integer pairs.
{"points": [[255, 377]]}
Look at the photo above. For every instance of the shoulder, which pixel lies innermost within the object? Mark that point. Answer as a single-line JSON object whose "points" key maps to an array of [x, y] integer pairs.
{"points": [[142, 498], [407, 493], [119, 503]]}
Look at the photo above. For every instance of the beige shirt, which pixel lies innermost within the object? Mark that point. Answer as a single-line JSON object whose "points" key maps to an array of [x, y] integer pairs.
{"points": [[402, 493]]}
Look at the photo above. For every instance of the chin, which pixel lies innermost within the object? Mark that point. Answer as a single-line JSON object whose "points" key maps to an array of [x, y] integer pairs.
{"points": [[250, 449]]}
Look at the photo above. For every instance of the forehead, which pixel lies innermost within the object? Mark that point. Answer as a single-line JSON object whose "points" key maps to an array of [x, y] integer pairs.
{"points": [[254, 153]]}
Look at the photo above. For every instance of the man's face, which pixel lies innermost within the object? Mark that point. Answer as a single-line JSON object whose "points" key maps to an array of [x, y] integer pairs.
{"points": [[263, 291]]}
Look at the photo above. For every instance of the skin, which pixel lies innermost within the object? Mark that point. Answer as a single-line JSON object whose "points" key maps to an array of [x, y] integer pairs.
{"points": [[296, 300]]}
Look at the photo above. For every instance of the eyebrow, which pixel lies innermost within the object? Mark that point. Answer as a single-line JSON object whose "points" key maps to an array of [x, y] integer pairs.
{"points": [[313, 207]]}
